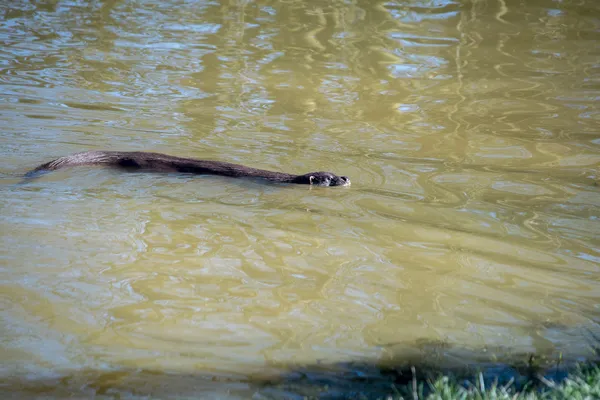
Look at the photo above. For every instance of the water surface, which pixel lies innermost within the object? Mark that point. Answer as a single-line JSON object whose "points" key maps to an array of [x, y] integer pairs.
{"points": [[469, 130]]}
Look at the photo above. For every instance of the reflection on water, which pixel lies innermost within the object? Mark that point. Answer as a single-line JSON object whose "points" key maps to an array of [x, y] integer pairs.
{"points": [[469, 130]]}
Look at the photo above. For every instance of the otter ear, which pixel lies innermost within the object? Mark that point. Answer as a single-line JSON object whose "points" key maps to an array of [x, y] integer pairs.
{"points": [[311, 179]]}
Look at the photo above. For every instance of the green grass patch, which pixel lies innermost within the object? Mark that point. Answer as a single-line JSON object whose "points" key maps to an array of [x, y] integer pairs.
{"points": [[582, 384]]}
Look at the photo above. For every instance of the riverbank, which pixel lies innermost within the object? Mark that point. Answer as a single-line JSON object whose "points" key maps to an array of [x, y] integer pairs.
{"points": [[582, 384]]}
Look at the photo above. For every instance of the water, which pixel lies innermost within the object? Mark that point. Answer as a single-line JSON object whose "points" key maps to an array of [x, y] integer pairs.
{"points": [[469, 130]]}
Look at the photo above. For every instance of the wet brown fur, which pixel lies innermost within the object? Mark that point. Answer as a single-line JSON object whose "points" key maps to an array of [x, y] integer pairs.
{"points": [[157, 162]]}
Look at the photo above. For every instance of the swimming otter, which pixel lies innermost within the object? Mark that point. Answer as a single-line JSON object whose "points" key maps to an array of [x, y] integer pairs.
{"points": [[156, 162]]}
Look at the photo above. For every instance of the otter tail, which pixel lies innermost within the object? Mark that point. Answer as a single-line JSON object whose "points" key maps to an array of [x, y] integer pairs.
{"points": [[85, 158], [37, 172], [45, 168]]}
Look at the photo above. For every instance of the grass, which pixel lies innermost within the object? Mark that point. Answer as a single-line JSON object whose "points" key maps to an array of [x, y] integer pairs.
{"points": [[583, 384]]}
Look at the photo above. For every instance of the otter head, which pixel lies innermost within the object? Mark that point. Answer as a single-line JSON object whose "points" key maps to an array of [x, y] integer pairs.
{"points": [[322, 179]]}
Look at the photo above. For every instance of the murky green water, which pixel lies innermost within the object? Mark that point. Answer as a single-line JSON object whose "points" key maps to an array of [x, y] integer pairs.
{"points": [[470, 131]]}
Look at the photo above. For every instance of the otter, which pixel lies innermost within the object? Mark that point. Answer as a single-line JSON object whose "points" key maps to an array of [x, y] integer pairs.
{"points": [[157, 162]]}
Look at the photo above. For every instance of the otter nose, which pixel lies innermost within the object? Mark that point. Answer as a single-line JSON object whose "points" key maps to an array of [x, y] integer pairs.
{"points": [[344, 178]]}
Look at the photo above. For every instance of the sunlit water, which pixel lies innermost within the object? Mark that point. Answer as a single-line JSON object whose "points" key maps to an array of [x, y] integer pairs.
{"points": [[470, 131]]}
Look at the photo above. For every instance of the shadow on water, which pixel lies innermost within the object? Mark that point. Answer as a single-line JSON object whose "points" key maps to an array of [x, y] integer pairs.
{"points": [[400, 375]]}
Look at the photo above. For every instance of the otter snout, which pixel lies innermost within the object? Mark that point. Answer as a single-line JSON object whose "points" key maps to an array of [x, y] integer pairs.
{"points": [[342, 181]]}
